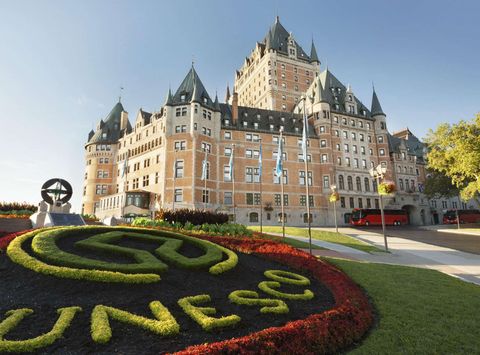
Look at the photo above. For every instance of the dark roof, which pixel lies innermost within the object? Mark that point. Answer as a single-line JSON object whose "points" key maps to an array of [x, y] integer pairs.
{"points": [[146, 116], [264, 118], [108, 130], [376, 107], [335, 93], [413, 145], [277, 39], [313, 54], [193, 89]]}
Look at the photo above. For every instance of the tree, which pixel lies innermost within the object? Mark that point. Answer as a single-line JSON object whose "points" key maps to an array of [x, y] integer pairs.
{"points": [[454, 150], [439, 185]]}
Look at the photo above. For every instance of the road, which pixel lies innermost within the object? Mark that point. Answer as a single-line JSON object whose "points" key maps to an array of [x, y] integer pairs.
{"points": [[463, 242]]}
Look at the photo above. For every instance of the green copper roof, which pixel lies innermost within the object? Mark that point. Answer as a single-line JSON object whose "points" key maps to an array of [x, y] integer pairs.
{"points": [[313, 54], [108, 131], [376, 108], [277, 39], [192, 89]]}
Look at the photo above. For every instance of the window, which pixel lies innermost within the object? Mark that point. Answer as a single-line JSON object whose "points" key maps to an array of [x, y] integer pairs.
{"points": [[323, 143], [252, 198], [178, 195], [301, 177], [205, 196], [444, 204], [342, 202], [360, 202], [206, 147], [303, 200], [227, 151], [382, 151], [156, 177], [380, 139], [180, 145], [300, 157], [362, 137], [369, 139], [226, 173], [276, 179], [345, 134], [367, 184], [354, 148], [358, 182], [326, 181], [277, 200], [337, 146], [341, 182], [354, 136], [322, 129], [347, 161], [352, 202], [362, 150], [355, 162], [364, 164], [369, 203], [253, 217], [227, 198], [401, 184], [350, 183], [227, 135], [324, 158], [179, 168], [146, 180], [339, 161], [346, 148]]}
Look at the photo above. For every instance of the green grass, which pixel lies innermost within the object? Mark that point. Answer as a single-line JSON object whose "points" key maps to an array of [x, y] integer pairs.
{"points": [[325, 236], [421, 311], [292, 242]]}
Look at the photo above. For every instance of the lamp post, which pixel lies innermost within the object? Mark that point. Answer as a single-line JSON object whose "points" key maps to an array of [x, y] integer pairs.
{"points": [[379, 173], [334, 190], [174, 177]]}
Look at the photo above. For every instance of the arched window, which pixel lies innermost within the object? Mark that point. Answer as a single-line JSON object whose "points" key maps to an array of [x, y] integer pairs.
{"points": [[367, 185], [358, 182], [253, 217], [341, 182], [350, 183], [280, 217], [305, 220], [374, 184]]}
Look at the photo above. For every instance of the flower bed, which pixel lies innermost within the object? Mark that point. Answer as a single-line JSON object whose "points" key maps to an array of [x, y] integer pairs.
{"points": [[325, 332], [6, 238]]}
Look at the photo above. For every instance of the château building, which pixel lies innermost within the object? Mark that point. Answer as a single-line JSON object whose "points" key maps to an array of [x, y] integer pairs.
{"points": [[157, 161]]}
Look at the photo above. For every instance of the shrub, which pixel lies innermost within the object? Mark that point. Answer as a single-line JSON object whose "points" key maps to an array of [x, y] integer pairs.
{"points": [[28, 345], [251, 298], [201, 315], [17, 206], [269, 288], [287, 277], [164, 324], [386, 188], [195, 217]]}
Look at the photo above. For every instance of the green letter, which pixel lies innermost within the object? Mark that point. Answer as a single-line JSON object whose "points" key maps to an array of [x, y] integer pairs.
{"points": [[250, 298], [268, 288]]}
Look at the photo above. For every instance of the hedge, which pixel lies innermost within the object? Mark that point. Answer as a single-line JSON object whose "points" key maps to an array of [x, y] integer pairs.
{"points": [[195, 217], [251, 298], [28, 345], [287, 277], [269, 288]]}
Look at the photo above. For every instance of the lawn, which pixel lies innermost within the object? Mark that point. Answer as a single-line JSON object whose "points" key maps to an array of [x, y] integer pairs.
{"points": [[421, 311], [292, 242], [326, 236]]}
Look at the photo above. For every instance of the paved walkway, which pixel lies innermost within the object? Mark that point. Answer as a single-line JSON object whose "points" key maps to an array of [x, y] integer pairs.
{"points": [[406, 252]]}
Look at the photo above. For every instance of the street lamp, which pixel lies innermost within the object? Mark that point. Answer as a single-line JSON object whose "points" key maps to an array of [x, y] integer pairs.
{"points": [[334, 191], [379, 173]]}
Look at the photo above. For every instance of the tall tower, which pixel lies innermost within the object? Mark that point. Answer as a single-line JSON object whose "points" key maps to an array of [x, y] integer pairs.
{"points": [[100, 155], [277, 72]]}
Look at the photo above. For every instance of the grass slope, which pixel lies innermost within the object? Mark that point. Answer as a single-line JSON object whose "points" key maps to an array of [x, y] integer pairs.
{"points": [[421, 311], [292, 242], [325, 236]]}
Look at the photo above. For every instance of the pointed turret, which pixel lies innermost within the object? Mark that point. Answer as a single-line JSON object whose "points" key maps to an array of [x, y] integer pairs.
{"points": [[320, 95], [376, 107], [268, 41], [90, 134], [192, 90], [227, 95], [216, 104], [313, 54], [109, 129], [169, 100]]}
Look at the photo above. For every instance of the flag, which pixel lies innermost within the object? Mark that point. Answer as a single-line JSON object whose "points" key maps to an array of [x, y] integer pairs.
{"points": [[204, 168], [279, 165], [125, 166], [230, 165], [260, 162], [304, 135]]}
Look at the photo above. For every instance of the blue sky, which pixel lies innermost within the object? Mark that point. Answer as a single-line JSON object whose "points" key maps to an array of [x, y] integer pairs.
{"points": [[62, 63]]}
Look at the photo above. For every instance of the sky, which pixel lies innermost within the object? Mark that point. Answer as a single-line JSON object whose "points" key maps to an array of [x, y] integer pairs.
{"points": [[62, 64]]}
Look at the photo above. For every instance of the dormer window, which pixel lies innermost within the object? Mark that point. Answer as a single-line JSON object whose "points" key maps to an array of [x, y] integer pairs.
{"points": [[104, 135], [282, 119], [339, 90], [258, 116], [350, 98], [227, 122], [205, 100], [183, 97], [245, 114], [245, 123]]}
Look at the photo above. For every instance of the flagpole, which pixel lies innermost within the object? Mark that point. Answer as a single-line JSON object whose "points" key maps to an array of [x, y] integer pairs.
{"points": [[174, 177], [204, 171], [260, 181], [125, 171], [307, 189], [232, 173], [281, 184]]}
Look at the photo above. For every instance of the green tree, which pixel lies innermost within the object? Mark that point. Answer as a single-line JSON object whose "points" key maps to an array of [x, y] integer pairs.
{"points": [[439, 185], [454, 150]]}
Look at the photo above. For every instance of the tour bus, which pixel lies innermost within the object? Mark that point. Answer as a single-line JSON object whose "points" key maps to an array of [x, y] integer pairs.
{"points": [[373, 217], [466, 216]]}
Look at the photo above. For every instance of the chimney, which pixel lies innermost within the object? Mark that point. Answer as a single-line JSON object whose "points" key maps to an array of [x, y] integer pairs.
{"points": [[234, 108], [123, 120]]}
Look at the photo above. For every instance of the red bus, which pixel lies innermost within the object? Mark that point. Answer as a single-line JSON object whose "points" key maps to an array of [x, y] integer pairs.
{"points": [[466, 216], [372, 217]]}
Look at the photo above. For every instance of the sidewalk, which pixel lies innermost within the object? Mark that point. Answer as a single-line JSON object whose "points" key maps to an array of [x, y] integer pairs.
{"points": [[405, 252]]}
